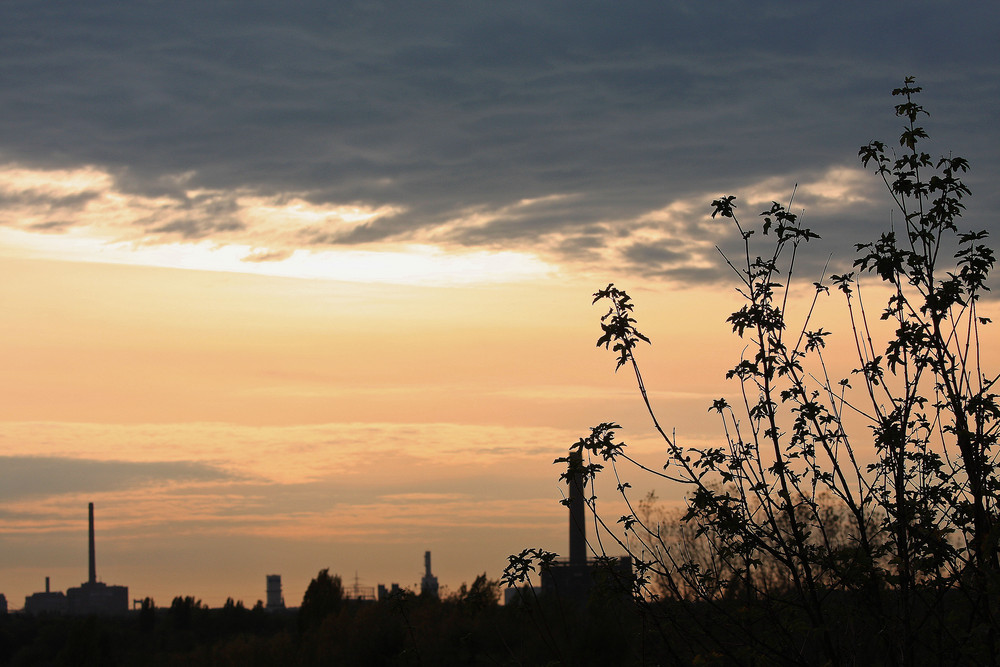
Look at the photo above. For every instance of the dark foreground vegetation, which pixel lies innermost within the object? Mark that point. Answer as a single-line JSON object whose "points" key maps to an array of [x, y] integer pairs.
{"points": [[848, 512], [469, 627], [410, 630]]}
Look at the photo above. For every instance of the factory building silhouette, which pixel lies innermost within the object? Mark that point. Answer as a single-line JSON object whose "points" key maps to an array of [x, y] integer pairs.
{"points": [[428, 584], [47, 602], [577, 577], [90, 597]]}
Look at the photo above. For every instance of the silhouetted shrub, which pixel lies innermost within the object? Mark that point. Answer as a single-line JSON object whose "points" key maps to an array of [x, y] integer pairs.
{"points": [[323, 597], [793, 546]]}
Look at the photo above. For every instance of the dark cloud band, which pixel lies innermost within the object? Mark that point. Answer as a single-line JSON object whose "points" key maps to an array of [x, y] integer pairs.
{"points": [[38, 476], [436, 111]]}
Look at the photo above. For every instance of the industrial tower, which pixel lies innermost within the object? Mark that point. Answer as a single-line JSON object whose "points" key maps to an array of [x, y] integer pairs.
{"points": [[429, 583]]}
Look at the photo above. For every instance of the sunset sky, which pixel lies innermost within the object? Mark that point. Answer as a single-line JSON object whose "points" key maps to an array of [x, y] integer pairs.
{"points": [[287, 286]]}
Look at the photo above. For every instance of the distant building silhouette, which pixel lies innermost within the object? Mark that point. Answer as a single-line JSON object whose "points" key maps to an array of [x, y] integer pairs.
{"points": [[275, 601], [46, 603], [385, 593], [429, 583], [3, 603], [577, 577], [96, 597], [359, 592], [91, 597]]}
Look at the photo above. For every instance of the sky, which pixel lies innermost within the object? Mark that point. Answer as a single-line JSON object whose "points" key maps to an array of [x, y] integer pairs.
{"points": [[304, 285]]}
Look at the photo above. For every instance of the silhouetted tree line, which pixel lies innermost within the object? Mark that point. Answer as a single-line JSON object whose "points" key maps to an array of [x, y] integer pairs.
{"points": [[467, 627]]}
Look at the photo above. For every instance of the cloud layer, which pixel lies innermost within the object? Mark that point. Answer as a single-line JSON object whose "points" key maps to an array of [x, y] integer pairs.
{"points": [[23, 477], [565, 129]]}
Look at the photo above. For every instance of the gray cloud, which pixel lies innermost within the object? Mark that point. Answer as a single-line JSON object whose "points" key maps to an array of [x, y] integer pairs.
{"points": [[52, 202], [266, 256], [622, 108], [646, 254], [197, 228], [36, 476], [52, 226]]}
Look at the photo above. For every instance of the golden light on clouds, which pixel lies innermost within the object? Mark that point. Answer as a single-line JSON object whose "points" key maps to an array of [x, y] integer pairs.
{"points": [[405, 264], [82, 215], [835, 190]]}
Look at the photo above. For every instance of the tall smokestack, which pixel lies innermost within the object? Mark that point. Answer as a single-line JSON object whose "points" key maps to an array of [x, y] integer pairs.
{"points": [[93, 559], [577, 512], [427, 564]]}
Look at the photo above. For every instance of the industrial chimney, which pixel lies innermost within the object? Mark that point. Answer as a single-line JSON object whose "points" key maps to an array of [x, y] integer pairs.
{"points": [[575, 578], [92, 596], [577, 512], [93, 559], [429, 583]]}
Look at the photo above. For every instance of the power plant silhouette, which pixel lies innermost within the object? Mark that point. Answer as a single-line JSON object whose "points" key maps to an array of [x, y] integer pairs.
{"points": [[578, 577], [90, 597]]}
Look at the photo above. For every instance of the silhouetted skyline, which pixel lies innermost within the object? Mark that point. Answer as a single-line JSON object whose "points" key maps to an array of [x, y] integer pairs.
{"points": [[96, 597]]}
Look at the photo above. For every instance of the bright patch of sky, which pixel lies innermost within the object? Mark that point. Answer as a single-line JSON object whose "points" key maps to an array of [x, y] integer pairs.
{"points": [[115, 227]]}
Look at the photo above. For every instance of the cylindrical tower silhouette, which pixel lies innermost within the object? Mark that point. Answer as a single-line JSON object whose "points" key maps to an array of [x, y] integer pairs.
{"points": [[577, 512], [93, 559]]}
